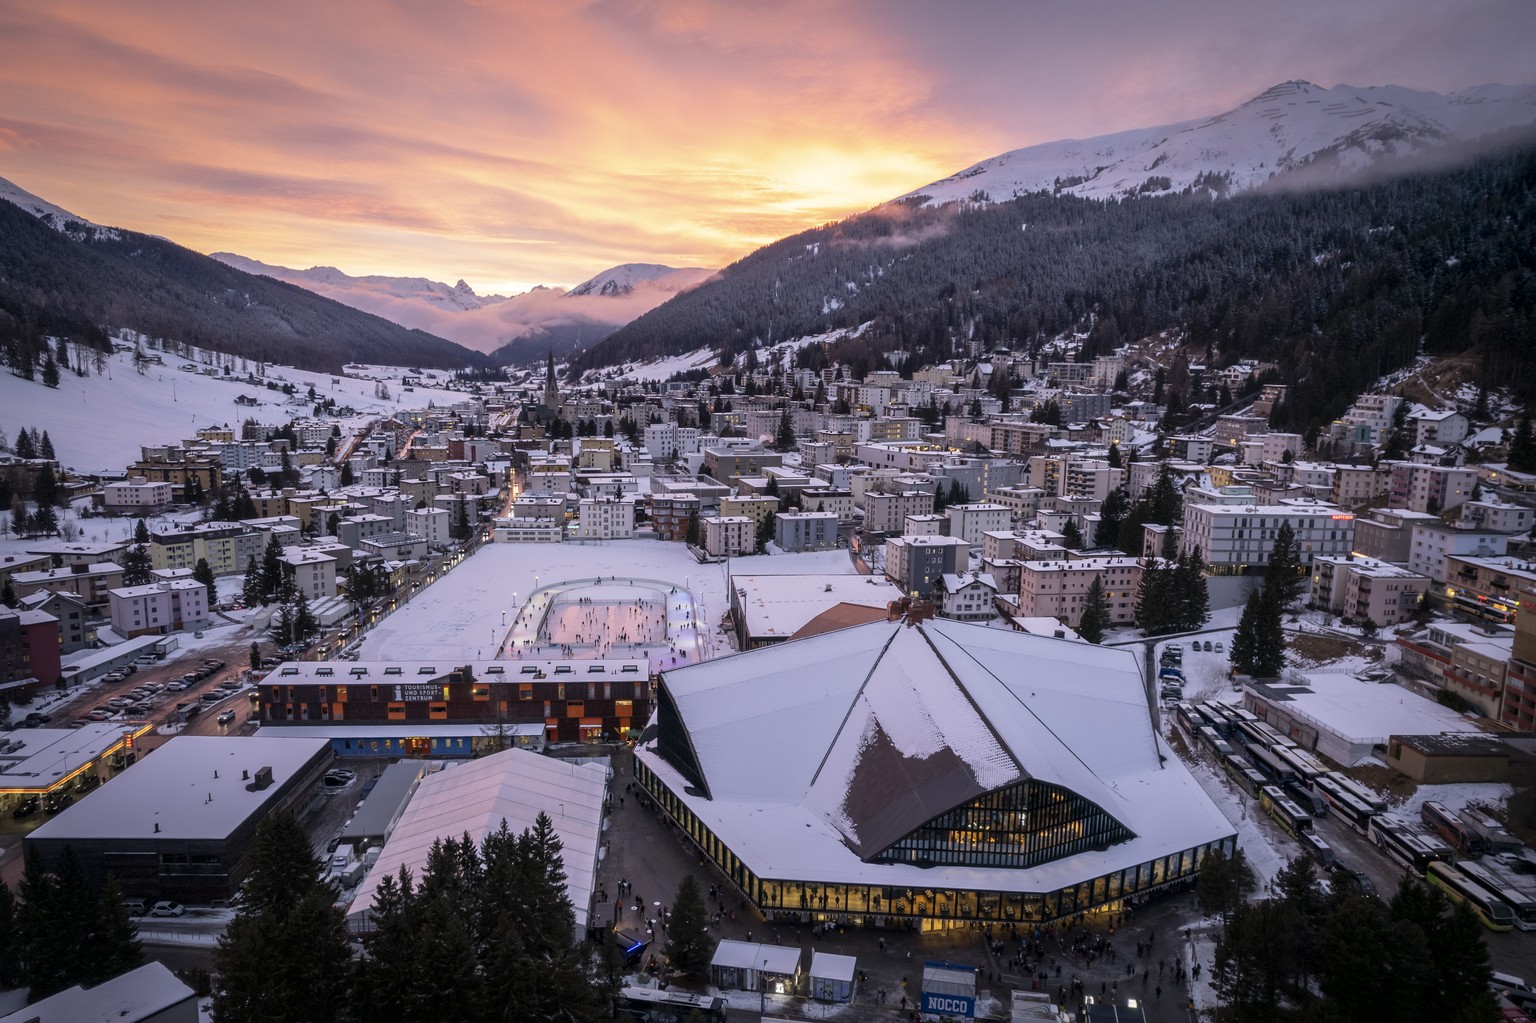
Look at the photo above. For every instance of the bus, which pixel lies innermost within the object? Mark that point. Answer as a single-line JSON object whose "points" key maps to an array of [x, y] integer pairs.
{"points": [[1234, 714], [1458, 887], [1413, 850], [1293, 820], [1305, 798], [1440, 819], [1523, 905], [1184, 714], [1343, 805], [1495, 838], [1247, 778], [1367, 796], [1270, 765], [1303, 763], [651, 1005], [1205, 715], [1318, 849], [1474, 607]]}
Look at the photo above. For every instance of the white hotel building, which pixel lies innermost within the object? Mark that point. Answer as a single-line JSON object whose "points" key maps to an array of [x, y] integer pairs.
{"points": [[1235, 538]]}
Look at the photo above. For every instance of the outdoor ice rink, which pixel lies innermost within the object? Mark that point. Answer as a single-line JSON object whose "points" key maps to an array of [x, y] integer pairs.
{"points": [[609, 617], [495, 603]]}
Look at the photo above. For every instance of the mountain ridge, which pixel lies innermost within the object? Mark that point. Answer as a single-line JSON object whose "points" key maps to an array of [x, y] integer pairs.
{"points": [[514, 327], [1283, 129]]}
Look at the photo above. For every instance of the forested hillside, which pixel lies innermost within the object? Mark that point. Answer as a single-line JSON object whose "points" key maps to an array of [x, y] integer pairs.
{"points": [[1337, 286], [78, 285]]}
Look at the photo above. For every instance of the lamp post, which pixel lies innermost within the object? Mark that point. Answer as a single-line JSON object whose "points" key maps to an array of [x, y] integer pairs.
{"points": [[762, 988]]}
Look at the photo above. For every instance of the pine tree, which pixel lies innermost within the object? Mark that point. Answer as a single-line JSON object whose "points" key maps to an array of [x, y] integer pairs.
{"points": [[50, 371], [1095, 613], [689, 946], [784, 439], [1191, 594], [45, 522], [137, 564], [285, 957], [271, 570], [45, 447], [1244, 640], [8, 594], [10, 940], [25, 447], [1282, 575], [255, 656], [1072, 535], [1522, 447], [203, 573], [250, 593], [304, 625], [45, 486], [1152, 598], [692, 535]]}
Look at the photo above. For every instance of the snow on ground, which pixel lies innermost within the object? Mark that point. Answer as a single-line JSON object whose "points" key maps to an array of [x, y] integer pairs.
{"points": [[664, 369], [97, 423], [466, 613]]}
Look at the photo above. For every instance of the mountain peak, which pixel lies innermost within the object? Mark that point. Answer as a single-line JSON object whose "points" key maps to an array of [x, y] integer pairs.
{"points": [[1287, 127]]}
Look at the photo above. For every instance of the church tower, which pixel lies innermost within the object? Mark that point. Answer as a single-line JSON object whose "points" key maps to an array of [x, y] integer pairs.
{"points": [[551, 390]]}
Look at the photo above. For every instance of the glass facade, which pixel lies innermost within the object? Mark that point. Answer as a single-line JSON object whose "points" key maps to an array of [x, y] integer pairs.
{"points": [[1019, 826], [878, 905]]}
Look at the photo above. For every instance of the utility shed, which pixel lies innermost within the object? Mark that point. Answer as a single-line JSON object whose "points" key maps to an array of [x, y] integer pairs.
{"points": [[832, 977], [747, 965]]}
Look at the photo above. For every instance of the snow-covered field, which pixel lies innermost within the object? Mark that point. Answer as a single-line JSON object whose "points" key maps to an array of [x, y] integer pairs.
{"points": [[98, 422], [465, 614]]}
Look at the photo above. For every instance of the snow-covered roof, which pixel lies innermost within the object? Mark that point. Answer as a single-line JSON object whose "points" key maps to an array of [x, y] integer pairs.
{"points": [[780, 605], [515, 786], [805, 563], [752, 955], [1362, 712], [876, 729], [35, 759], [139, 994], [827, 966], [193, 787]]}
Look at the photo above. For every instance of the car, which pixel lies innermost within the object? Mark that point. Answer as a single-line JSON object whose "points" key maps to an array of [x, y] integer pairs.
{"points": [[176, 687], [58, 802], [1220, 648], [98, 715], [342, 773], [115, 676], [167, 909], [119, 702], [130, 668], [27, 807], [198, 634], [226, 717]]}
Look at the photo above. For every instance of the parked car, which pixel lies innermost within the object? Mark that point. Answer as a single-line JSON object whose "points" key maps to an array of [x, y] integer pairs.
{"points": [[58, 802], [167, 909], [27, 807]]}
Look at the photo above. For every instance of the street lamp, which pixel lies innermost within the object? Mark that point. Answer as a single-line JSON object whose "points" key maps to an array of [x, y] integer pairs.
{"points": [[762, 988]]}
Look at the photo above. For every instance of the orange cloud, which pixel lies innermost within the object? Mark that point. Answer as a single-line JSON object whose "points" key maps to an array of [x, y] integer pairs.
{"points": [[512, 142]]}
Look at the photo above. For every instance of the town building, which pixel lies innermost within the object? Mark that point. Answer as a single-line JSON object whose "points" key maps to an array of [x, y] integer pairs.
{"points": [[1361, 588], [1430, 488], [147, 994], [770, 609], [1236, 539], [573, 701], [227, 547], [805, 531], [886, 513], [179, 823], [914, 563], [310, 572], [92, 582], [1433, 542], [1059, 588], [605, 518], [136, 496], [29, 652], [970, 521], [934, 805], [966, 596], [159, 607], [728, 536]]}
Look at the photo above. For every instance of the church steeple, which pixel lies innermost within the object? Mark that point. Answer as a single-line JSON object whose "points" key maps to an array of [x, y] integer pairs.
{"points": [[551, 389]]}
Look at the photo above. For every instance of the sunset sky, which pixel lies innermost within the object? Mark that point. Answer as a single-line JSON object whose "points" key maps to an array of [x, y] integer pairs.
{"points": [[514, 143]]}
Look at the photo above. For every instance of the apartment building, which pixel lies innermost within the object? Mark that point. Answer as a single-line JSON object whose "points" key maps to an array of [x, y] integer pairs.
{"points": [[914, 562], [805, 531], [226, 546], [1059, 589], [1433, 542], [970, 522], [136, 496], [1386, 534], [159, 607], [728, 536], [885, 513], [1496, 516], [605, 518], [1235, 539], [1430, 488], [1365, 588]]}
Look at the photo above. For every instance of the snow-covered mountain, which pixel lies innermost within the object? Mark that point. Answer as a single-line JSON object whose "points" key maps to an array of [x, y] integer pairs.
{"points": [[625, 278], [56, 217], [1292, 127], [488, 322]]}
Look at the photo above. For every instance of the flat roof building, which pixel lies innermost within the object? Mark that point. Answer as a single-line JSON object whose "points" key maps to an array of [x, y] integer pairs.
{"points": [[177, 824]]}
